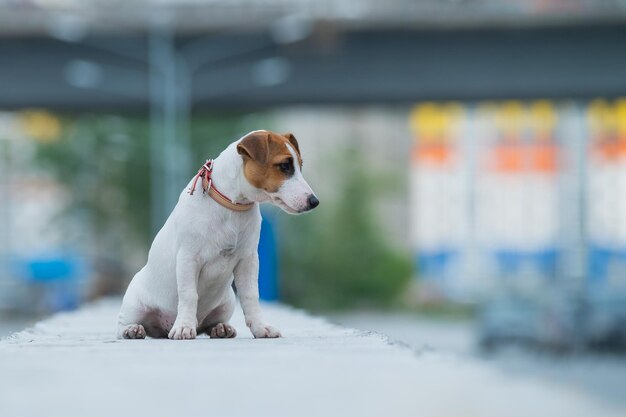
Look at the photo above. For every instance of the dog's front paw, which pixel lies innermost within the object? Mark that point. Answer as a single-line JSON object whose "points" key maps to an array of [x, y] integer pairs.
{"points": [[182, 331], [261, 330]]}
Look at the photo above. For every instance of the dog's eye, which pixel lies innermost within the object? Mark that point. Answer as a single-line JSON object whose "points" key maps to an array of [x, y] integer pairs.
{"points": [[285, 167]]}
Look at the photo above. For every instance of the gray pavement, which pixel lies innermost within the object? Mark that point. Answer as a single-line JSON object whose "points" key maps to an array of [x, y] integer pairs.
{"points": [[72, 365]]}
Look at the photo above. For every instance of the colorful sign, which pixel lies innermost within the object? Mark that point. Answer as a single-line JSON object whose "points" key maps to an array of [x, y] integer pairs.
{"points": [[439, 221], [485, 194], [516, 201], [605, 202]]}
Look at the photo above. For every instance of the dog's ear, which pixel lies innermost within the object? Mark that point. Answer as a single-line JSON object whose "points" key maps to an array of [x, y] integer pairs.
{"points": [[255, 146], [292, 139]]}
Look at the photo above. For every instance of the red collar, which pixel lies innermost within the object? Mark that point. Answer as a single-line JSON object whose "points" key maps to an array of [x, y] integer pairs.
{"points": [[209, 188]]}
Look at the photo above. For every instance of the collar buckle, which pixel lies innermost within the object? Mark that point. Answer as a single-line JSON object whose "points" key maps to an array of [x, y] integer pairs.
{"points": [[205, 173]]}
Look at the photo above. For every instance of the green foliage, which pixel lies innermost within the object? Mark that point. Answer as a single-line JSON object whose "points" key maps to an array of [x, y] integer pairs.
{"points": [[337, 256], [104, 163]]}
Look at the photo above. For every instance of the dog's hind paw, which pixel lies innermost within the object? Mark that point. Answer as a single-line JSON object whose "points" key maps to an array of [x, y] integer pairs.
{"points": [[133, 331], [222, 331]]}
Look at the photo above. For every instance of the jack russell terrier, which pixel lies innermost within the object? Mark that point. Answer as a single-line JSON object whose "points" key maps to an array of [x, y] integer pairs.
{"points": [[210, 241]]}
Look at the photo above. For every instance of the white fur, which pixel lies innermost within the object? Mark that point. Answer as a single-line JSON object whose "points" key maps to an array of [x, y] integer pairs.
{"points": [[186, 285]]}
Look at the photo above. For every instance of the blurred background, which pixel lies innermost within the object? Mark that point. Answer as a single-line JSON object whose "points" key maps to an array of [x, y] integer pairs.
{"points": [[470, 156]]}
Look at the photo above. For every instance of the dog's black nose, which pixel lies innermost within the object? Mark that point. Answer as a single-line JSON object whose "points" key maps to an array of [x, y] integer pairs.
{"points": [[313, 202]]}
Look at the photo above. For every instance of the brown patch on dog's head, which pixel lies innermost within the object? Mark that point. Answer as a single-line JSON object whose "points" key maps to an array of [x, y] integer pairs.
{"points": [[267, 162]]}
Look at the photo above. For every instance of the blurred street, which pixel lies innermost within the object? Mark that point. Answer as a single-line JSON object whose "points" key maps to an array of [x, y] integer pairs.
{"points": [[591, 374]]}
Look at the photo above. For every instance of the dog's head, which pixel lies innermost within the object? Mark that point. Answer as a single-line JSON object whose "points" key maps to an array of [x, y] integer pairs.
{"points": [[272, 164]]}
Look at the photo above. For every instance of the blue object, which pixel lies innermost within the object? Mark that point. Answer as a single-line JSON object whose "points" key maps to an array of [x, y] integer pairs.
{"points": [[55, 269], [58, 275], [545, 260], [268, 261], [600, 259], [435, 264]]}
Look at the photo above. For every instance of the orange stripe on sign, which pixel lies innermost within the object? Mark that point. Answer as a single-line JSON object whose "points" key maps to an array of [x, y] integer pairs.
{"points": [[433, 154], [544, 158], [510, 158], [609, 149]]}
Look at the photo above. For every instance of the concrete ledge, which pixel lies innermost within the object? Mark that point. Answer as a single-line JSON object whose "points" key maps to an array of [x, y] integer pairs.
{"points": [[72, 365]]}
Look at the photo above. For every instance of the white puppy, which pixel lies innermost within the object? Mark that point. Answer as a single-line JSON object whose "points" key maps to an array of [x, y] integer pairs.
{"points": [[210, 240]]}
